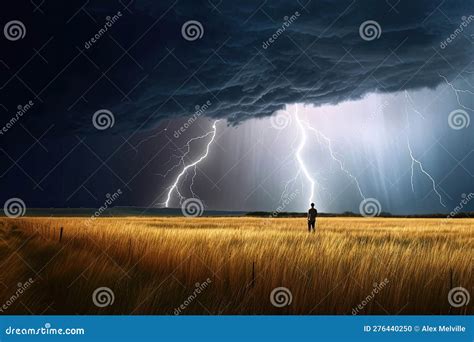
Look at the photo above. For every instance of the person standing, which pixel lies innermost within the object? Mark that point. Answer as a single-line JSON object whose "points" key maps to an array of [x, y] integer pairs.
{"points": [[312, 214]]}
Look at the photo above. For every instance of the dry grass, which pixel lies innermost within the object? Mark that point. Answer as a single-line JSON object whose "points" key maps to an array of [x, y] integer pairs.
{"points": [[152, 264]]}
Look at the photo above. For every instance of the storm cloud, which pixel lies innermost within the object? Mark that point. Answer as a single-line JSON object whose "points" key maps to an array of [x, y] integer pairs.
{"points": [[247, 59]]}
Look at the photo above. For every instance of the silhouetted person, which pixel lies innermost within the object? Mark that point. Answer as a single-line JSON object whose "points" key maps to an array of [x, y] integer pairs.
{"points": [[312, 214]]}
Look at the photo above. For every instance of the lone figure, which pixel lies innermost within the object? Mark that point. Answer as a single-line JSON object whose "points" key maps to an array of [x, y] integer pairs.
{"points": [[312, 214]]}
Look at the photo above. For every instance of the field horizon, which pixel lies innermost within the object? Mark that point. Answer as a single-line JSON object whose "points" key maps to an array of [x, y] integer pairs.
{"points": [[136, 211]]}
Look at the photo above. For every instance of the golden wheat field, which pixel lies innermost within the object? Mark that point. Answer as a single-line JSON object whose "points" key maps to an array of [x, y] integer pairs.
{"points": [[232, 265]]}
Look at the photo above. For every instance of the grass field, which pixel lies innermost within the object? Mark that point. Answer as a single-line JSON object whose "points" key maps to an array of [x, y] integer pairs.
{"points": [[232, 265]]}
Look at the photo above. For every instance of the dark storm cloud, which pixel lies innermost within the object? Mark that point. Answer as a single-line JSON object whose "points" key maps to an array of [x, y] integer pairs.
{"points": [[319, 58]]}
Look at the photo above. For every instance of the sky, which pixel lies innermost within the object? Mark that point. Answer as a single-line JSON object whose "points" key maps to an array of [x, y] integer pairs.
{"points": [[278, 104]]}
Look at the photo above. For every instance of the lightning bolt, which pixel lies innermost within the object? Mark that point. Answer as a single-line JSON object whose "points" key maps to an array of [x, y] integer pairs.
{"points": [[186, 167], [291, 181], [413, 158], [300, 159], [413, 161], [192, 183], [412, 103], [328, 141], [457, 92], [303, 126]]}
